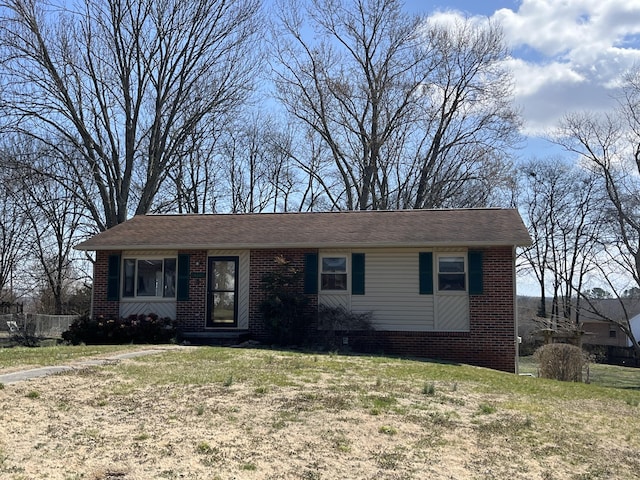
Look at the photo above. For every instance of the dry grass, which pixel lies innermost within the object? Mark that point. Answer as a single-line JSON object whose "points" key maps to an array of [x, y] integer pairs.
{"points": [[214, 413]]}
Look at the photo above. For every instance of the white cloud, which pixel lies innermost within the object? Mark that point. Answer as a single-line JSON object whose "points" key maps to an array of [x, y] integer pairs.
{"points": [[571, 28], [567, 55], [531, 77]]}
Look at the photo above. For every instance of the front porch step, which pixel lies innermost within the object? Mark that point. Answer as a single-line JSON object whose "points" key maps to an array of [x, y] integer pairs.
{"points": [[216, 338]]}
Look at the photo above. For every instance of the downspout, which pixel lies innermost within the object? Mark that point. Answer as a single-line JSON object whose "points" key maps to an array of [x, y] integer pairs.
{"points": [[93, 285], [515, 312]]}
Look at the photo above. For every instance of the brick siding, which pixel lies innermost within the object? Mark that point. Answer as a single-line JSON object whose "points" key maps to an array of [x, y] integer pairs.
{"points": [[100, 306], [262, 262], [191, 314]]}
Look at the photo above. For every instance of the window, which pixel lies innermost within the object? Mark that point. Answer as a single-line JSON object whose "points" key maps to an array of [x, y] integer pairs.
{"points": [[451, 273], [149, 277], [613, 333], [333, 275]]}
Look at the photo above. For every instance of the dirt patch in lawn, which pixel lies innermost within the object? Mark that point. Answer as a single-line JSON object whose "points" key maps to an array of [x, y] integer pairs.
{"points": [[103, 423]]}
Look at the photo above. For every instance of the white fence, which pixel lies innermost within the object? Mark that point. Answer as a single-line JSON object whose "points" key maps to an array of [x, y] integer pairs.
{"points": [[38, 324]]}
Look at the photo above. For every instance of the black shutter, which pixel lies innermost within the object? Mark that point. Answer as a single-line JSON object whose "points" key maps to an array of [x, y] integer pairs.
{"points": [[182, 289], [357, 273], [475, 273], [425, 268], [113, 278], [311, 273]]}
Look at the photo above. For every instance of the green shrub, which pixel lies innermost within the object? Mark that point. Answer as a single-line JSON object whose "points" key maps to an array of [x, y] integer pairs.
{"points": [[560, 361], [116, 331]]}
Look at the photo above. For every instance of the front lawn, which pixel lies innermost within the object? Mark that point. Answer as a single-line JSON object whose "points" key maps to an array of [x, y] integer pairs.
{"points": [[222, 413]]}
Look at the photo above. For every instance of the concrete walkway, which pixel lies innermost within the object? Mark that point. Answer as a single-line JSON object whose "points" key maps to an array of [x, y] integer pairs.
{"points": [[22, 375]]}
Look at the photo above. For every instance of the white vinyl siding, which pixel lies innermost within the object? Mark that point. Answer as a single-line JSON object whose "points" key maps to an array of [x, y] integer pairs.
{"points": [[452, 313], [335, 300], [392, 296], [243, 282], [162, 308], [392, 292], [452, 302]]}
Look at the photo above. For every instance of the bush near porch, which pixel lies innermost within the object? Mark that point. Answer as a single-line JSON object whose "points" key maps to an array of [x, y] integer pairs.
{"points": [[116, 331]]}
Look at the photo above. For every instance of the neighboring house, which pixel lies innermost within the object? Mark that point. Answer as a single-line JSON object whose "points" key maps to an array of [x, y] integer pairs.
{"points": [[597, 330], [602, 333], [438, 283], [606, 334]]}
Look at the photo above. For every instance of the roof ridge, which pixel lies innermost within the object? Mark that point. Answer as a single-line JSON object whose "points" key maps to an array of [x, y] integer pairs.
{"points": [[324, 212]]}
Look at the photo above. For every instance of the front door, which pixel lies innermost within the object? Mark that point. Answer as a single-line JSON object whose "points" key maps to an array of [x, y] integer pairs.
{"points": [[222, 292]]}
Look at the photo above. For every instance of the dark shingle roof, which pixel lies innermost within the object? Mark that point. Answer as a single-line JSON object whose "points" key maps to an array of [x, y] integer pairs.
{"points": [[401, 228]]}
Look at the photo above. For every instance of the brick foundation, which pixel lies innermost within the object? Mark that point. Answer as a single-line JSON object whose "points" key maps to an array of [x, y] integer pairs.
{"points": [[492, 314]]}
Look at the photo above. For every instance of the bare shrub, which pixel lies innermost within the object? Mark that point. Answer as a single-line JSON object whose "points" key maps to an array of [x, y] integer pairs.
{"points": [[560, 361], [338, 319]]}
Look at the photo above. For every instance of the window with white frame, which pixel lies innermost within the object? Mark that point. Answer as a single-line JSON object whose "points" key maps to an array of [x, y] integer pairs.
{"points": [[333, 273], [149, 278], [452, 274]]}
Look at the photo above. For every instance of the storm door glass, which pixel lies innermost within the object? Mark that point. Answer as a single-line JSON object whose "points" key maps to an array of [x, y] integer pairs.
{"points": [[222, 292]]}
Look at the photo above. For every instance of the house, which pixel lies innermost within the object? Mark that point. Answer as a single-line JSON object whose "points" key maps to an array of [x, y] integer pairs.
{"points": [[608, 334], [438, 283], [599, 331], [595, 325]]}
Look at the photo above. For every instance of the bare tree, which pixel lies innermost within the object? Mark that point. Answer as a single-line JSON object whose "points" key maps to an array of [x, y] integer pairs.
{"points": [[54, 219], [123, 84], [409, 112], [195, 183], [13, 231], [469, 121], [536, 204], [609, 145], [561, 203], [259, 172], [320, 186]]}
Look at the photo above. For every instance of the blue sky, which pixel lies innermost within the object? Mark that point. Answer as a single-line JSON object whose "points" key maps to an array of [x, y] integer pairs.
{"points": [[566, 55]]}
